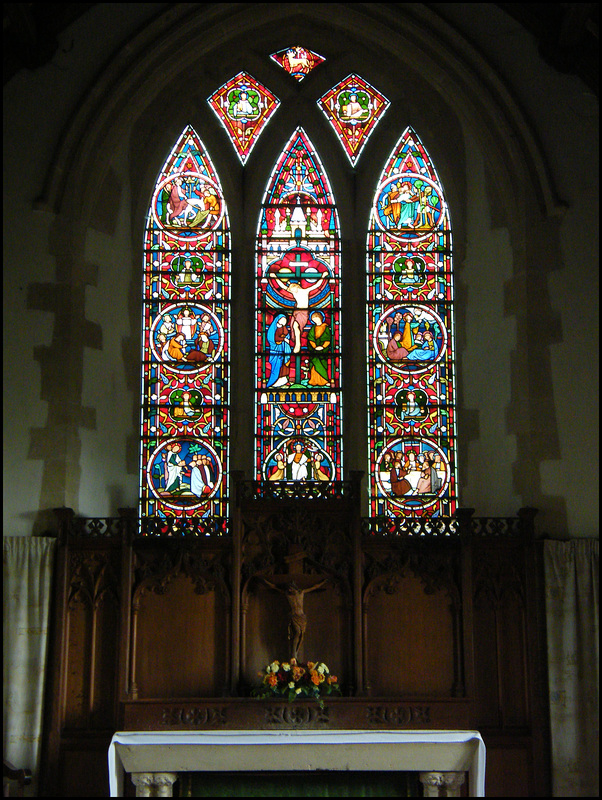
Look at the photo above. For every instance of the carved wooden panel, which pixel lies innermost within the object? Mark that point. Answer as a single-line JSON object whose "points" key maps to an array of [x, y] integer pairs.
{"points": [[269, 539], [509, 772], [264, 625], [339, 713], [487, 701], [92, 624], [500, 635], [412, 620], [181, 648], [82, 769], [409, 639], [436, 631], [180, 630]]}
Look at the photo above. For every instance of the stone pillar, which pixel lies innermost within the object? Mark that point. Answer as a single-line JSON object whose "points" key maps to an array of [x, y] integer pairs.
{"points": [[143, 781], [154, 784], [164, 782], [442, 784]]}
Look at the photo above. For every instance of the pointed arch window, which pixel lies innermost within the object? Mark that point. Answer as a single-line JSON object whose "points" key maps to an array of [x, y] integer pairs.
{"points": [[298, 408], [298, 370], [186, 296], [411, 379]]}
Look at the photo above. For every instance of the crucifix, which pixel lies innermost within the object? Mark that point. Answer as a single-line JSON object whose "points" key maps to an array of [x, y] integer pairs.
{"points": [[294, 585], [302, 277]]}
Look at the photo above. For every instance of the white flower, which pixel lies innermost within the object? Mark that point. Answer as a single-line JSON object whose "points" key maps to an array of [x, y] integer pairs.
{"points": [[291, 685], [298, 691], [275, 666], [321, 669], [286, 667]]}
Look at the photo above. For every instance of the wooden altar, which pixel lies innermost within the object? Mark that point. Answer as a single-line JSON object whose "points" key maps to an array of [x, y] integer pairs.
{"points": [[429, 625]]}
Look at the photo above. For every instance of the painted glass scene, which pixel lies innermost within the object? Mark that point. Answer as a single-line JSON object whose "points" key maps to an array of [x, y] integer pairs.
{"points": [[353, 108], [244, 106], [298, 374], [186, 295], [297, 61], [411, 394]]}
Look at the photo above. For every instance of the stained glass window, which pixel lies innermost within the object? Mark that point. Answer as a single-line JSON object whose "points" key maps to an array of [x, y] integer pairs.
{"points": [[410, 340], [297, 61], [298, 375], [353, 108], [186, 294], [244, 106]]}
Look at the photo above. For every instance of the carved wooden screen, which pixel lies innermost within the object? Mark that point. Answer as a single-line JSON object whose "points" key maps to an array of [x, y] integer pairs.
{"points": [[411, 379], [298, 374], [186, 293]]}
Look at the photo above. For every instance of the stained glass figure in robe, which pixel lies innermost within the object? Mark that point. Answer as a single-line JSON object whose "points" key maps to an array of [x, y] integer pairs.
{"points": [[411, 380], [298, 403], [186, 295], [244, 106], [353, 108]]}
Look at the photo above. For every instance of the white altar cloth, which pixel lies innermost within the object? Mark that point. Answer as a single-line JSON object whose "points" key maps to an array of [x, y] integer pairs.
{"points": [[253, 751]]}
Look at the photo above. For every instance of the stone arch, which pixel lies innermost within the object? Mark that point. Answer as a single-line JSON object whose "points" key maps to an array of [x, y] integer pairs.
{"points": [[177, 39], [461, 101]]}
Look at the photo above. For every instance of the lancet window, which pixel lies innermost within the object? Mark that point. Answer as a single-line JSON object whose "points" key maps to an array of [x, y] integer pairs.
{"points": [[411, 384], [185, 381], [298, 338]]}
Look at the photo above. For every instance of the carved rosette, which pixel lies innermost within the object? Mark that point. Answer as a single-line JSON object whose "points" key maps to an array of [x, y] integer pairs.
{"points": [[295, 716], [398, 716], [195, 717]]}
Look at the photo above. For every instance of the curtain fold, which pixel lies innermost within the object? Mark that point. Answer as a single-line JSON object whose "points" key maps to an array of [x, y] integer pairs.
{"points": [[572, 616], [27, 586]]}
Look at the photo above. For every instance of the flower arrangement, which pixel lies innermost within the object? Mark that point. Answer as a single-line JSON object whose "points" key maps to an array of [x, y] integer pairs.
{"points": [[291, 679]]}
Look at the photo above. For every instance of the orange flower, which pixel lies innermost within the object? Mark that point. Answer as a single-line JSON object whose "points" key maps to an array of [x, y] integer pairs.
{"points": [[272, 680], [315, 678], [310, 665], [332, 679]]}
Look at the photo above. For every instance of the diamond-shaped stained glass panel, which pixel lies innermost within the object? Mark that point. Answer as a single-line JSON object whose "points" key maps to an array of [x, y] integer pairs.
{"points": [[244, 107], [297, 61], [353, 107]]}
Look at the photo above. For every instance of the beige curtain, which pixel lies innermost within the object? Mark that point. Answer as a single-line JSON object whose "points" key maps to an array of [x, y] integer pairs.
{"points": [[27, 576], [571, 571]]}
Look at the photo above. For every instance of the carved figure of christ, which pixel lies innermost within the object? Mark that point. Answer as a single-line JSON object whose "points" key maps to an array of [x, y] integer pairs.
{"points": [[298, 619]]}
